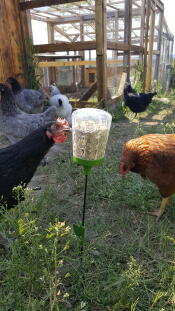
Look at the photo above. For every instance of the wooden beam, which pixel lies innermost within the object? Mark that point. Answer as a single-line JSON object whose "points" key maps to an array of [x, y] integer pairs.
{"points": [[122, 84], [88, 93], [82, 53], [101, 49], [85, 17], [50, 33], [116, 33], [142, 24], [63, 33], [51, 39], [41, 3], [160, 28], [65, 46], [146, 39], [77, 63], [150, 52], [6, 52], [159, 4], [83, 104], [27, 40], [124, 47], [82, 46], [11, 49], [127, 36], [113, 101]]}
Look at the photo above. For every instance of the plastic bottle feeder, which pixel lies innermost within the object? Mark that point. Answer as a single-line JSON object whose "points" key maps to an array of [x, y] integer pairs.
{"points": [[90, 129]]}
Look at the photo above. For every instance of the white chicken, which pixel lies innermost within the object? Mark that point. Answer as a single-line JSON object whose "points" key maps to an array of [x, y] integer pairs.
{"points": [[61, 102], [54, 90]]}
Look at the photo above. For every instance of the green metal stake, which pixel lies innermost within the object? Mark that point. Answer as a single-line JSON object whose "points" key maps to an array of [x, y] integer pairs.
{"points": [[80, 230], [84, 212]]}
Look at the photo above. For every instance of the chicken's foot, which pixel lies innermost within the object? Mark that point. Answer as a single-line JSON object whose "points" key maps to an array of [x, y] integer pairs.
{"points": [[158, 212]]}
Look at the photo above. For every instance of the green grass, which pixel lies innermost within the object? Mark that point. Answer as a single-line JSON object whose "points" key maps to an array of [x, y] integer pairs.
{"points": [[129, 258]]}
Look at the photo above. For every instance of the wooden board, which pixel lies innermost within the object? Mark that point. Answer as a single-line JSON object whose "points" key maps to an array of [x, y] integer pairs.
{"points": [[41, 3], [83, 104], [11, 52], [79, 63], [122, 84], [81, 46], [5, 48], [127, 36], [65, 46], [14, 29], [150, 52], [88, 93], [101, 49]]}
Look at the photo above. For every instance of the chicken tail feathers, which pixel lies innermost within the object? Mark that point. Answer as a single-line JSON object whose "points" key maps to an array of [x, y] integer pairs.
{"points": [[154, 93]]}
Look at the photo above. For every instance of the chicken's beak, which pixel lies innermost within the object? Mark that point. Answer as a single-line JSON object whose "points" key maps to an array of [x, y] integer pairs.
{"points": [[67, 130], [64, 126]]}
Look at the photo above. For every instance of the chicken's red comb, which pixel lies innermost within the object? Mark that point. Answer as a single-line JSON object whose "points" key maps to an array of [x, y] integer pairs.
{"points": [[63, 122]]}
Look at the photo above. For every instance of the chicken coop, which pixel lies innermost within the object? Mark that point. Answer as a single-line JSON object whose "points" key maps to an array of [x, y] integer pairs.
{"points": [[86, 47]]}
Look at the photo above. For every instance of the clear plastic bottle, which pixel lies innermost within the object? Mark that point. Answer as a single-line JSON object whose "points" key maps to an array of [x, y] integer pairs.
{"points": [[90, 129]]}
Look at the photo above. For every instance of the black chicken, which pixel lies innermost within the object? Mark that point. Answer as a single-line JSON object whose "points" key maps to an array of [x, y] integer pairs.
{"points": [[137, 102], [19, 162]]}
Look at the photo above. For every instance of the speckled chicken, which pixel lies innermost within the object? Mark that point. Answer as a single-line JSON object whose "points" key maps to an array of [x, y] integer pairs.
{"points": [[153, 157], [16, 124], [28, 100]]}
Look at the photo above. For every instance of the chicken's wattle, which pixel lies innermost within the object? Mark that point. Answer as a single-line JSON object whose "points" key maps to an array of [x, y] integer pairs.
{"points": [[60, 138]]}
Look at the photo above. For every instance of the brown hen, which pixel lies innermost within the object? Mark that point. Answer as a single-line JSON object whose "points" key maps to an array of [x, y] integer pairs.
{"points": [[153, 157]]}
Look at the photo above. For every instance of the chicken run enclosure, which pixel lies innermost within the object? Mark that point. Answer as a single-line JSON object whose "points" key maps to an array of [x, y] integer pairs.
{"points": [[86, 47]]}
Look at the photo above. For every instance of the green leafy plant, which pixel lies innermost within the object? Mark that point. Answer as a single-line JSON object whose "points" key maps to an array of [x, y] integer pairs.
{"points": [[33, 78], [34, 266], [139, 78], [172, 74]]}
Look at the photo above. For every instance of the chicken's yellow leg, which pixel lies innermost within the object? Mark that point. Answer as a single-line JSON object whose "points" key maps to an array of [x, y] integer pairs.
{"points": [[158, 212]]}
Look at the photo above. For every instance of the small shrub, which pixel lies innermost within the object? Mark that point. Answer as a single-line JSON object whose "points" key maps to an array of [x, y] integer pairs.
{"points": [[32, 277]]}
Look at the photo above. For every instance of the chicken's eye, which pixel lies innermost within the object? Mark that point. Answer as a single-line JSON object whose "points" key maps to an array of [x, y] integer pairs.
{"points": [[57, 126]]}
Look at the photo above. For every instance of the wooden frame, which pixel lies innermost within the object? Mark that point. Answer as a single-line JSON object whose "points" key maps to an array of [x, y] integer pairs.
{"points": [[41, 3], [97, 27]]}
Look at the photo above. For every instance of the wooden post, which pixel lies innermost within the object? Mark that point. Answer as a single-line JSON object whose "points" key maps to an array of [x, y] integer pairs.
{"points": [[74, 68], [11, 47], [82, 53], [146, 39], [116, 28], [50, 32], [160, 27], [127, 37], [101, 47], [142, 27], [150, 52], [27, 34], [51, 39]]}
